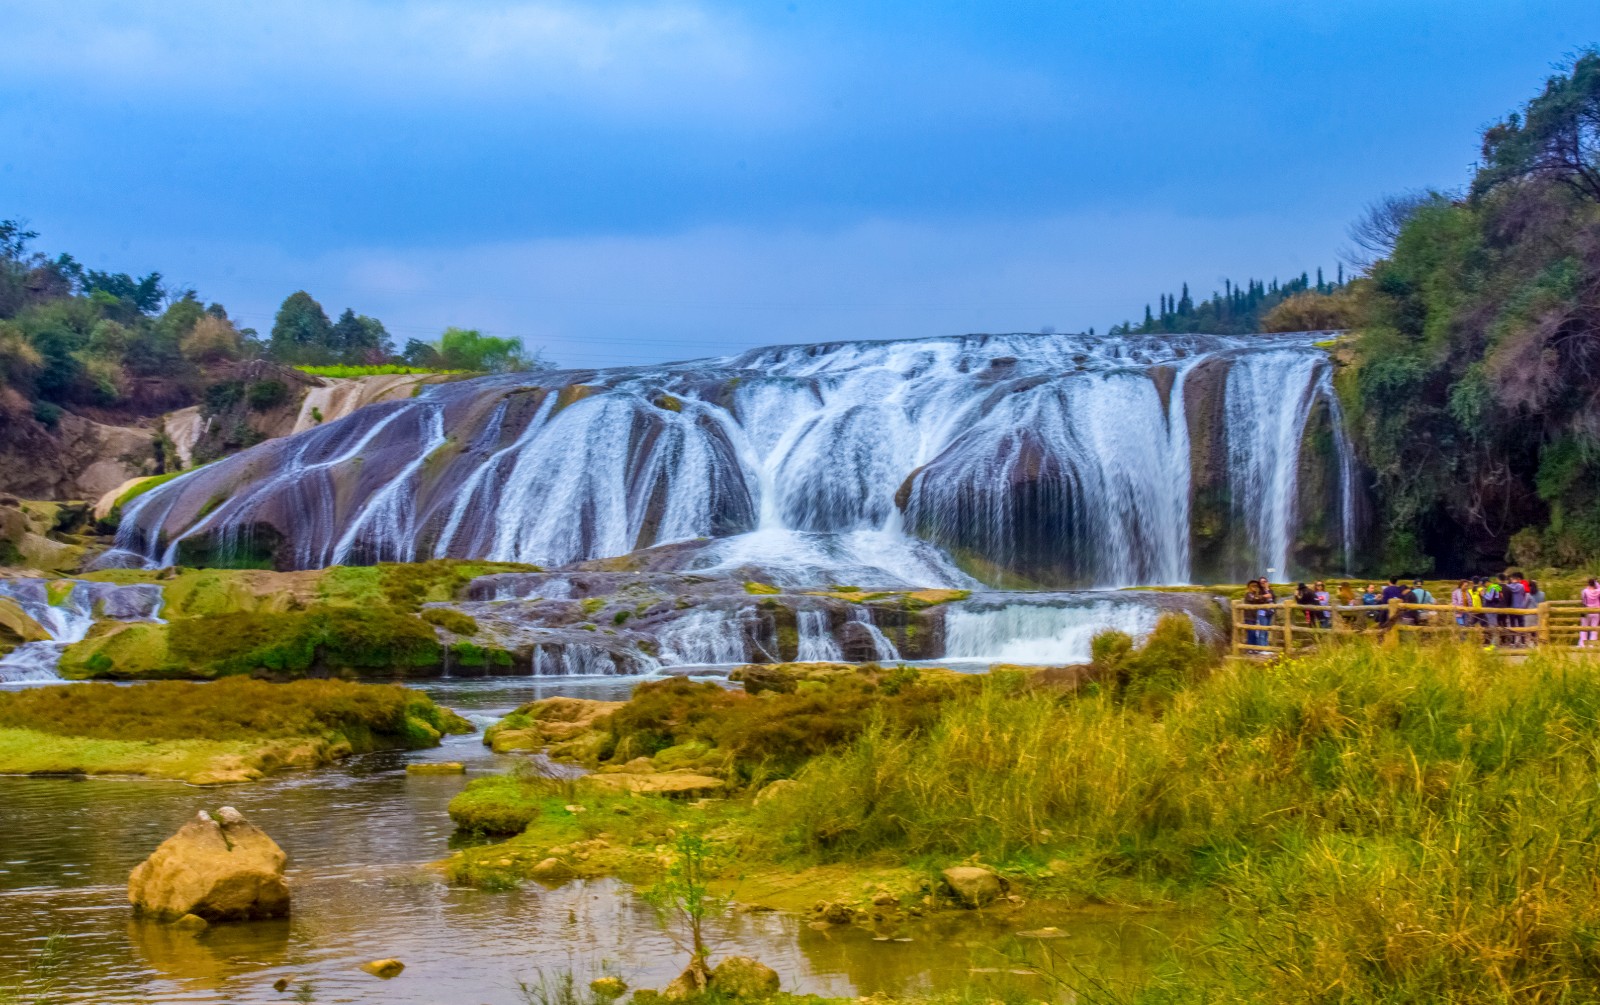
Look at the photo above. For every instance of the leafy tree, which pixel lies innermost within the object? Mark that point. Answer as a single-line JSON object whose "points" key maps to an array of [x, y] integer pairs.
{"points": [[360, 339], [468, 349], [1556, 137], [301, 332]]}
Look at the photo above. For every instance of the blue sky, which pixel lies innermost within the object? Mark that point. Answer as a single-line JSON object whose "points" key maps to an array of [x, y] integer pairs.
{"points": [[629, 182]]}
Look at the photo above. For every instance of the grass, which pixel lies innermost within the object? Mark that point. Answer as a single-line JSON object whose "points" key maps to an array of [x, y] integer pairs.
{"points": [[1410, 824], [382, 370], [232, 730]]}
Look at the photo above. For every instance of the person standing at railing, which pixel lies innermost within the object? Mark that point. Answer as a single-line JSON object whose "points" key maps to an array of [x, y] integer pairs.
{"points": [[1305, 597], [1517, 589], [1264, 617], [1394, 591], [1320, 591], [1252, 595], [1590, 595], [1496, 598], [1461, 597]]}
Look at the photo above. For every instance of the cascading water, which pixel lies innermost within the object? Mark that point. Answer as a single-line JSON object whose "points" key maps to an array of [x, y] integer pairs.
{"points": [[1040, 628], [816, 641], [67, 609], [1045, 460]]}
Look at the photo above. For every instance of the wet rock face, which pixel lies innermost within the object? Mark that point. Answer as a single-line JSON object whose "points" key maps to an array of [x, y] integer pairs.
{"points": [[218, 869]]}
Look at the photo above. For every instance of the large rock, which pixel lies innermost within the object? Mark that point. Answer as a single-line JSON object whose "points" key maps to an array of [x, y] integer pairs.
{"points": [[973, 885], [221, 869], [742, 977]]}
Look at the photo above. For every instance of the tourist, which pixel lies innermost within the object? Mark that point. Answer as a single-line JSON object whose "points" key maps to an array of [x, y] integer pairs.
{"points": [[1424, 596], [1390, 592], [1252, 595], [1461, 597], [1320, 591], [1517, 591], [1304, 597], [1495, 599], [1264, 617], [1409, 596], [1591, 603], [1478, 619], [1536, 599]]}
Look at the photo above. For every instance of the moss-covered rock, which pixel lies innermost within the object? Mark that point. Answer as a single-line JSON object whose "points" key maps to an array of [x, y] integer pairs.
{"points": [[501, 804]]}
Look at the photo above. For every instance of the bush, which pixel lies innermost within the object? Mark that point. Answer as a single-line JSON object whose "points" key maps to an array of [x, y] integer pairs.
{"points": [[263, 395]]}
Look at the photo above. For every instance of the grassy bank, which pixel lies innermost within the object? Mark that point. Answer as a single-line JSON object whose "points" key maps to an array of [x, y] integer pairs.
{"points": [[1375, 825], [233, 730]]}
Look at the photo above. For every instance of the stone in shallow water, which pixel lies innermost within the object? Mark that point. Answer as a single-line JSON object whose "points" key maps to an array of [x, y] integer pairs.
{"points": [[436, 768], [973, 885], [385, 969], [223, 869]]}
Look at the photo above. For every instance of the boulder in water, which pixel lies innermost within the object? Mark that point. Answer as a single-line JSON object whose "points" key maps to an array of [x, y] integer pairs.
{"points": [[220, 869], [973, 886], [742, 977], [385, 968]]}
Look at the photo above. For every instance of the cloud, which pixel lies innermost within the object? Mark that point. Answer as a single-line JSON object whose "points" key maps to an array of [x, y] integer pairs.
{"points": [[629, 59]]}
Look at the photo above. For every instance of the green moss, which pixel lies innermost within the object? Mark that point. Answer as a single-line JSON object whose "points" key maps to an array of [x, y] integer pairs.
{"points": [[57, 591], [761, 589], [592, 604], [451, 621], [503, 804]]}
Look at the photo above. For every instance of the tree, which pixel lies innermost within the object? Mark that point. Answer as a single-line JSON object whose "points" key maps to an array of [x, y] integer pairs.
{"points": [[1556, 136], [1374, 232], [301, 332], [360, 339], [468, 349]]}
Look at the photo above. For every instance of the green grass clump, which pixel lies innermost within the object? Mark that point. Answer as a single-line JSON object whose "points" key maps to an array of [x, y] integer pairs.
{"points": [[367, 715], [451, 621], [505, 804]]}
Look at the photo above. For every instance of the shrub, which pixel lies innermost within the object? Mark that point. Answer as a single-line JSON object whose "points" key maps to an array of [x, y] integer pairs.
{"points": [[502, 804], [266, 394]]}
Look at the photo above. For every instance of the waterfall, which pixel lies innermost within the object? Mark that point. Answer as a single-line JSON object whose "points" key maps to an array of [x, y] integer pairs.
{"points": [[883, 650], [1038, 460], [708, 637], [67, 609], [1269, 401], [817, 644], [1041, 629]]}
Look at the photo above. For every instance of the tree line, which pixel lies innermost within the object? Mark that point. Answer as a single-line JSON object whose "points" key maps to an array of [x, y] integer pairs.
{"points": [[78, 338]]}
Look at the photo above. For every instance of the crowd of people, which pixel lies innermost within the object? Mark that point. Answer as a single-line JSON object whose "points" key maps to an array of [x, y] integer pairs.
{"points": [[1500, 610]]}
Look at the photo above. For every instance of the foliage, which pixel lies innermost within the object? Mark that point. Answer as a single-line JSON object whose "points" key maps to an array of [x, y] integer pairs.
{"points": [[772, 734], [451, 620], [232, 709], [1475, 391], [684, 893], [466, 349]]}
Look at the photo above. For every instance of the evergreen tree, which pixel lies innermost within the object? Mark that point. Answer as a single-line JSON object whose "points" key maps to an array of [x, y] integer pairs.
{"points": [[301, 332]]}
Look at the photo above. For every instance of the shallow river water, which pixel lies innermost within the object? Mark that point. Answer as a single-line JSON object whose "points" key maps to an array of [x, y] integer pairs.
{"points": [[358, 837]]}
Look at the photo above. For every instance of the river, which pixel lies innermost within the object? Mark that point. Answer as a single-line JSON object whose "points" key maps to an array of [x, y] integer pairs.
{"points": [[359, 836]]}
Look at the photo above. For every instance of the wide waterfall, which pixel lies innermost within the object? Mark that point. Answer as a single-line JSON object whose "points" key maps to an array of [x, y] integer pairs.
{"points": [[1036, 461]]}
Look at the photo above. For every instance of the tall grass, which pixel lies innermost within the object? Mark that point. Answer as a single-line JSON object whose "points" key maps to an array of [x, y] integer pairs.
{"points": [[1389, 825]]}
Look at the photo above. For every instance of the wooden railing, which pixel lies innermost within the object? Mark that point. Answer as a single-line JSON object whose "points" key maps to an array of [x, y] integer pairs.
{"points": [[1289, 627]]}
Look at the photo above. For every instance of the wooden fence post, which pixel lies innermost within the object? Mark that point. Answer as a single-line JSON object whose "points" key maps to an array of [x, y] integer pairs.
{"points": [[1543, 628], [1391, 634], [1288, 628]]}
